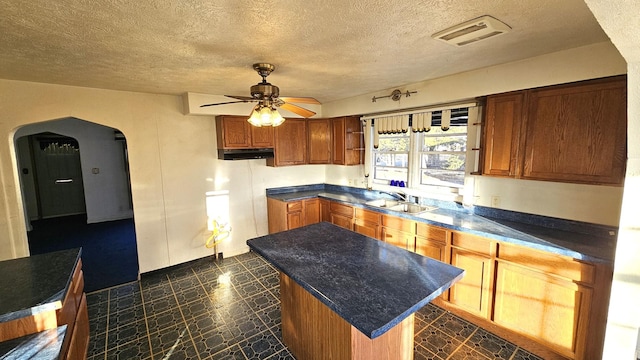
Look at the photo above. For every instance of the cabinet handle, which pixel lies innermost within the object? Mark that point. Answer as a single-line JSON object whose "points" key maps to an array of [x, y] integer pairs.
{"points": [[64, 181]]}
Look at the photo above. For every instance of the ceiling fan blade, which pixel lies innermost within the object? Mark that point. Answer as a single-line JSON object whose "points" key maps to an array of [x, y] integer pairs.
{"points": [[239, 97], [297, 110], [301, 100], [228, 102]]}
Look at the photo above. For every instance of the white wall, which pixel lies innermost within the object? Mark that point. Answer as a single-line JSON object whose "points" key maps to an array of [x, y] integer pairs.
{"points": [[106, 193], [596, 204]]}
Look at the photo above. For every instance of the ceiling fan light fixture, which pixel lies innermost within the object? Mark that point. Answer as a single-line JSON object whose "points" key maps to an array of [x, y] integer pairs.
{"points": [[263, 115]]}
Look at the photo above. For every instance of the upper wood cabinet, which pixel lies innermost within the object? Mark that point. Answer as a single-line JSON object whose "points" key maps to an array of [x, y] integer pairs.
{"points": [[235, 132], [348, 141], [567, 133], [319, 141], [502, 129], [290, 143]]}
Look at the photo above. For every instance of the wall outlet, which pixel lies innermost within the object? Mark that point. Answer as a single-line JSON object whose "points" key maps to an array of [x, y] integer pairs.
{"points": [[495, 201]]}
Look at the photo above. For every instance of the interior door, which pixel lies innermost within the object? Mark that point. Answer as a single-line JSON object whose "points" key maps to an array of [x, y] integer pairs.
{"points": [[59, 176]]}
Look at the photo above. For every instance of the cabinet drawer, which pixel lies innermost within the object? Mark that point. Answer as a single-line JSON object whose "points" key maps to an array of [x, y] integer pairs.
{"points": [[294, 206], [431, 232], [368, 216], [548, 263], [473, 243], [397, 223], [344, 210]]}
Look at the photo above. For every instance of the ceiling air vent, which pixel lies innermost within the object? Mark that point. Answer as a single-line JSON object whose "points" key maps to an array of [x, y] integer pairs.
{"points": [[471, 31]]}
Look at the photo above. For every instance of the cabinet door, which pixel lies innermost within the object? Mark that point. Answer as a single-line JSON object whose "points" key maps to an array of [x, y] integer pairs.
{"points": [[342, 221], [577, 133], [295, 220], [261, 137], [290, 143], [233, 132], [547, 308], [311, 211], [430, 248], [348, 141], [366, 228], [398, 238], [503, 117], [325, 212], [319, 141], [338, 140], [473, 292]]}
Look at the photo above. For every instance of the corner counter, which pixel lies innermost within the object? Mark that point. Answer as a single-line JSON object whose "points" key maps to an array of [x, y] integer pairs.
{"points": [[42, 297]]}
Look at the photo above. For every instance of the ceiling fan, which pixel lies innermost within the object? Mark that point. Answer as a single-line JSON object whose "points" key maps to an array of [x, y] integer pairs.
{"points": [[268, 98]]}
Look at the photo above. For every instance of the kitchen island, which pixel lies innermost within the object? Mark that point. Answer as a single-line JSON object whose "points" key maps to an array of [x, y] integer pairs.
{"points": [[348, 296]]}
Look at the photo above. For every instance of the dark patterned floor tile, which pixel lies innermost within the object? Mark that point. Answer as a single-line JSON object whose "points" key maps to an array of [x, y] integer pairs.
{"points": [[181, 350], [138, 349], [124, 333], [262, 301], [454, 326], [248, 256], [124, 302], [185, 283], [159, 305], [153, 279], [270, 281], [168, 338], [490, 345], [245, 327], [275, 292], [437, 342], [231, 353], [249, 289], [262, 271], [208, 275], [179, 272], [157, 292], [231, 265], [429, 313], [97, 344], [189, 295], [421, 353], [236, 310], [205, 323], [254, 262], [163, 320], [240, 278], [522, 354], [131, 288], [98, 325], [214, 342], [261, 346], [270, 315], [126, 315], [204, 264], [98, 310], [467, 353], [97, 297], [282, 355]]}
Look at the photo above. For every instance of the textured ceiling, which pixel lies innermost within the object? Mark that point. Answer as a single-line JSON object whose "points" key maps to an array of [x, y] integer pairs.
{"points": [[328, 49]]}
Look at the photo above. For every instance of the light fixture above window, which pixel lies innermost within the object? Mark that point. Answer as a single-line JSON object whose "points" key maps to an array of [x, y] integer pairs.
{"points": [[264, 114]]}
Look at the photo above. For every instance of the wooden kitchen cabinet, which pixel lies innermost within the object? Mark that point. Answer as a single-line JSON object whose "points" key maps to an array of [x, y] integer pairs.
{"points": [[431, 241], [367, 223], [398, 231], [235, 132], [567, 133], [341, 215], [502, 133], [325, 211], [348, 141], [474, 291], [290, 143], [319, 141], [577, 133], [287, 215]]}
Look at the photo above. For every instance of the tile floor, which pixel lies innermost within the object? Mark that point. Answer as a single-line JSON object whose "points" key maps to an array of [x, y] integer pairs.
{"points": [[230, 310]]}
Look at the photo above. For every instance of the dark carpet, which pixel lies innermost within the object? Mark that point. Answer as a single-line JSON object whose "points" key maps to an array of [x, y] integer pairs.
{"points": [[109, 253]]}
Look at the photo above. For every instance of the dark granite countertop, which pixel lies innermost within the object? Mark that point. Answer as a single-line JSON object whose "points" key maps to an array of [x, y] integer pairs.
{"points": [[371, 284], [36, 283], [583, 241], [45, 345]]}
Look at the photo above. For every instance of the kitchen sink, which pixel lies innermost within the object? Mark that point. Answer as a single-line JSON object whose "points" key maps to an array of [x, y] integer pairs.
{"points": [[383, 203], [400, 206]]}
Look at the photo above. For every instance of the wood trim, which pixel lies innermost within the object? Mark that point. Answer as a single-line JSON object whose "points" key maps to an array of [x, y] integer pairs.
{"points": [[312, 331]]}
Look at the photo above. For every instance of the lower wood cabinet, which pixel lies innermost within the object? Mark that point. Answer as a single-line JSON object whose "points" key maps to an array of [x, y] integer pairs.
{"points": [[341, 215], [367, 223], [473, 292], [287, 215], [431, 241]]}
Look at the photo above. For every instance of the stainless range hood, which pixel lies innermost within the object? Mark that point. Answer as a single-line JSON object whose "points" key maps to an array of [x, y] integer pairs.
{"points": [[245, 154]]}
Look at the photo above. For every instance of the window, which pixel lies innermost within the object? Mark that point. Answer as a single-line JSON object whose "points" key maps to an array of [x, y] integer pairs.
{"points": [[424, 159]]}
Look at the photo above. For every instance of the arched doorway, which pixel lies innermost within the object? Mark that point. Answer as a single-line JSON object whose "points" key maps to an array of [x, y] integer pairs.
{"points": [[75, 183]]}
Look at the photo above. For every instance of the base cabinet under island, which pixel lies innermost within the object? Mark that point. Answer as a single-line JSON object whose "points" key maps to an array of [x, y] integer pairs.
{"points": [[552, 305]]}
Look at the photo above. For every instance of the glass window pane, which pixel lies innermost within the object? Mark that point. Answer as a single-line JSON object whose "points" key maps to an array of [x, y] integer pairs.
{"points": [[455, 139], [388, 142], [442, 169]]}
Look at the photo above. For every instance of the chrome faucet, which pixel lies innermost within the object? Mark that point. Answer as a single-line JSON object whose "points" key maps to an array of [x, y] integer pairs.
{"points": [[396, 195]]}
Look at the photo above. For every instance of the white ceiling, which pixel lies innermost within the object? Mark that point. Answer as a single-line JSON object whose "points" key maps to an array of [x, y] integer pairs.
{"points": [[328, 49]]}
